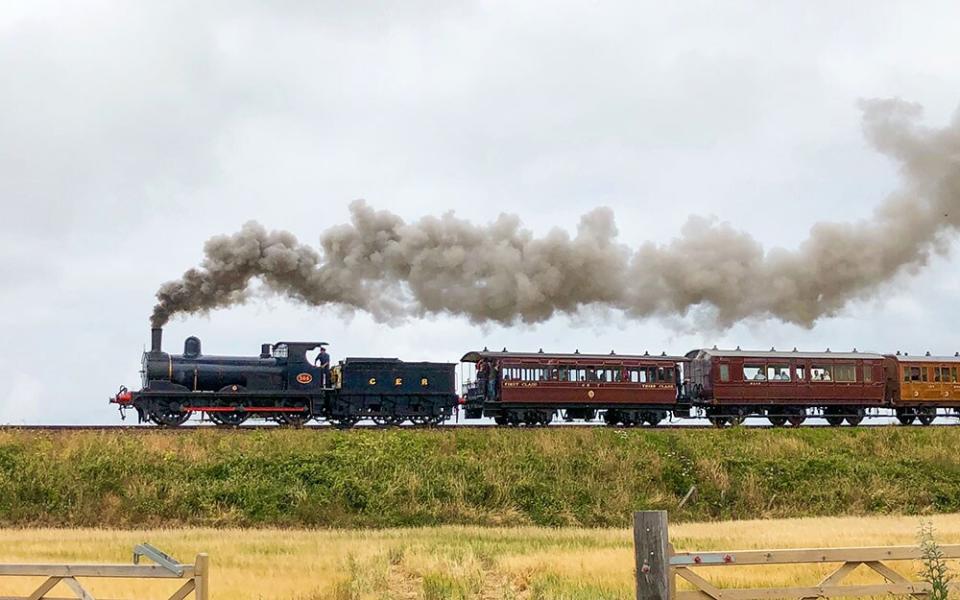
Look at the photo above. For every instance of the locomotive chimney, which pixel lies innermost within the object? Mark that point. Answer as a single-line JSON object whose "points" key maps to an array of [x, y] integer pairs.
{"points": [[156, 339]]}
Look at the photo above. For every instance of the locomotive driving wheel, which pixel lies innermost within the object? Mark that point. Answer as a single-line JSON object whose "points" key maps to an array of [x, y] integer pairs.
{"points": [[165, 416], [229, 419], [293, 419]]}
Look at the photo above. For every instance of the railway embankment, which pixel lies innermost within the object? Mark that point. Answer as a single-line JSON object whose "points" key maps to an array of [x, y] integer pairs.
{"points": [[385, 478]]}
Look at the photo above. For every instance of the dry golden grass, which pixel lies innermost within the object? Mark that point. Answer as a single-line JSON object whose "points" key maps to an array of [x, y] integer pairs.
{"points": [[449, 562]]}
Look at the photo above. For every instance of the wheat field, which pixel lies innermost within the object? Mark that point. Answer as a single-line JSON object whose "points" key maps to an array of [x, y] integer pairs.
{"points": [[448, 562]]}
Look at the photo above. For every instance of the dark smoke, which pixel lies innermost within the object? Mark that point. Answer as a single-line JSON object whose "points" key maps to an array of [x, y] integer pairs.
{"points": [[500, 272]]}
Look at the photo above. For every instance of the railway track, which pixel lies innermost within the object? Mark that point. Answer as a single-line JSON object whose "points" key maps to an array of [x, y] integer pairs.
{"points": [[448, 426]]}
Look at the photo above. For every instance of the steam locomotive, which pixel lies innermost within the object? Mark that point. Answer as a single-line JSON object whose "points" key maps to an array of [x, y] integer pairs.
{"points": [[281, 385], [515, 388]]}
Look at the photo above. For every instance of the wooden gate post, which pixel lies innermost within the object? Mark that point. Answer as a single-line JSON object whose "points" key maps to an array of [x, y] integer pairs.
{"points": [[651, 547], [201, 577]]}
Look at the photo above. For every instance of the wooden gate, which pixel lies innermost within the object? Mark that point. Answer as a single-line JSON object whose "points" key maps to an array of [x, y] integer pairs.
{"points": [[196, 576], [658, 567]]}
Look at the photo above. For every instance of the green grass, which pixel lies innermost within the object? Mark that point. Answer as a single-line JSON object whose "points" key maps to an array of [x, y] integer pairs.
{"points": [[554, 477]]}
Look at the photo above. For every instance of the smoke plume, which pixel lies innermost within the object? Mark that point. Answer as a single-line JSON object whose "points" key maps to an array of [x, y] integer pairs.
{"points": [[500, 272]]}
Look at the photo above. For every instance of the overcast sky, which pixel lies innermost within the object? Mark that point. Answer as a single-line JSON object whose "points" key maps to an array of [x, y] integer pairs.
{"points": [[132, 132]]}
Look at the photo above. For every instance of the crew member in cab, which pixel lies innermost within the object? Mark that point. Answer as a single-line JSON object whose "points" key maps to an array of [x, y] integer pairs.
{"points": [[322, 362]]}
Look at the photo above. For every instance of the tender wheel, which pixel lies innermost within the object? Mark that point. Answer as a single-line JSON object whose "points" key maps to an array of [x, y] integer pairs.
{"points": [[926, 415], [499, 420], [382, 420], [906, 416], [344, 422], [229, 419]]}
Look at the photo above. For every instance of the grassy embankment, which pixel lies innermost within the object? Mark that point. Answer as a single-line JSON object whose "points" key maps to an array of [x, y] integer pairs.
{"points": [[398, 478], [453, 563]]}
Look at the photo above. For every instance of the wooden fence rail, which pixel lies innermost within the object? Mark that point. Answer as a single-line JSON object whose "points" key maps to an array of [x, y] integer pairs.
{"points": [[196, 576], [658, 566]]}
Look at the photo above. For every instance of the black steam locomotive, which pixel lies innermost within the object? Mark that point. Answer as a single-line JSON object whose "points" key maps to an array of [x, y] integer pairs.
{"points": [[281, 385]]}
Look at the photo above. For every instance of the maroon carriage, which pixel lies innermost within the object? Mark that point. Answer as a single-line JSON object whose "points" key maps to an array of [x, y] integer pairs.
{"points": [[532, 388], [786, 387]]}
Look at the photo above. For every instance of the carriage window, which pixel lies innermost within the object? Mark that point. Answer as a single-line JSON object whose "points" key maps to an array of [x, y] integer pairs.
{"points": [[581, 374], [936, 375], [724, 373], [821, 373], [911, 374], [669, 374], [801, 372], [778, 373], [868, 373], [753, 373], [953, 374], [661, 374], [924, 374], [617, 375], [845, 373]]}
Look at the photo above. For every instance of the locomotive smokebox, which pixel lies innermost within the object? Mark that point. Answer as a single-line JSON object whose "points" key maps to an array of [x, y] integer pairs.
{"points": [[156, 339]]}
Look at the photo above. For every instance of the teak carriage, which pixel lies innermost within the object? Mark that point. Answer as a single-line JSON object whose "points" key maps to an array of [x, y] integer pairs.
{"points": [[530, 388]]}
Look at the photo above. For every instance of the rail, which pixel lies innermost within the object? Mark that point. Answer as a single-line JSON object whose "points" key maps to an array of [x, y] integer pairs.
{"points": [[195, 577], [658, 567]]}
